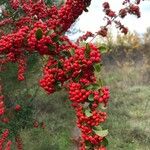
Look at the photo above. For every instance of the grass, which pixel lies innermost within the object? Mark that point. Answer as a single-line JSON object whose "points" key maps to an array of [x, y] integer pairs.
{"points": [[128, 110], [129, 113], [59, 119], [128, 122]]}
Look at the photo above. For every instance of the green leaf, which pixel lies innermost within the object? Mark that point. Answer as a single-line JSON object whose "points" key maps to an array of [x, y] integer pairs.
{"points": [[39, 34], [98, 128], [57, 40], [65, 54], [51, 47], [93, 87], [97, 67], [49, 2], [101, 133], [88, 113], [78, 77], [101, 106], [103, 49], [60, 65], [91, 97], [104, 142], [72, 52], [86, 10], [49, 32], [89, 87], [88, 144], [58, 85], [87, 51]]}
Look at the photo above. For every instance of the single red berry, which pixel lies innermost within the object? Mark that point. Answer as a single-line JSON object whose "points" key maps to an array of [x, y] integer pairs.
{"points": [[17, 107]]}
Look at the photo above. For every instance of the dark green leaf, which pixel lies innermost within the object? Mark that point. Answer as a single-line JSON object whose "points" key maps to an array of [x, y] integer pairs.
{"points": [[78, 77], [104, 142], [51, 47], [58, 85], [88, 144], [86, 10], [39, 34], [60, 65], [97, 67], [93, 87], [56, 38], [66, 54], [87, 51]]}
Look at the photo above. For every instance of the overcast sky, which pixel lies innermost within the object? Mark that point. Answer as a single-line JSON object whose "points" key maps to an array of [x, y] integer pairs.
{"points": [[92, 20]]}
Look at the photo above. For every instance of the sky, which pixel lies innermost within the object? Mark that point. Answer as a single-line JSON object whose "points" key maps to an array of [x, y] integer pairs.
{"points": [[92, 20]]}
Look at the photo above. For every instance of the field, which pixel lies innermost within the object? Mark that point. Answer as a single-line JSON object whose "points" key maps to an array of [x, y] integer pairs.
{"points": [[128, 110]]}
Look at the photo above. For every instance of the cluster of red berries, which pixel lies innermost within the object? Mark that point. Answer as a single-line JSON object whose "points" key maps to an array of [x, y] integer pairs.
{"points": [[111, 16], [19, 143], [4, 143], [77, 94], [36, 124], [85, 36], [88, 116], [2, 106], [41, 30], [21, 68]]}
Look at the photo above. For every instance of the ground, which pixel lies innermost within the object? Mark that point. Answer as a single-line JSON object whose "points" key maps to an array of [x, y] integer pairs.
{"points": [[128, 114]]}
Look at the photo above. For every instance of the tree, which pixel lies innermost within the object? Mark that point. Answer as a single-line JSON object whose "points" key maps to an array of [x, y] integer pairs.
{"points": [[34, 27]]}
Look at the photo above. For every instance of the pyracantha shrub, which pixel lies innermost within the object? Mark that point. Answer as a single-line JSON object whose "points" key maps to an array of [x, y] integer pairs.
{"points": [[33, 26]]}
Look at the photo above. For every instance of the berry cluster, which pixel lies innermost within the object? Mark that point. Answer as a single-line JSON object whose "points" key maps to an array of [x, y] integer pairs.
{"points": [[4, 143], [86, 104], [40, 28], [2, 107]]}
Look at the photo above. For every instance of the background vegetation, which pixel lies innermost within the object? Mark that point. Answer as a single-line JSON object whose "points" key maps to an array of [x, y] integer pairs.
{"points": [[126, 71]]}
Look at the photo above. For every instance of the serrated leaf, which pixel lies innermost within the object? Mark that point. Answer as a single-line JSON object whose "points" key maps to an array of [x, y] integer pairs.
{"points": [[101, 133], [91, 97], [88, 113], [97, 67], [39, 34]]}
